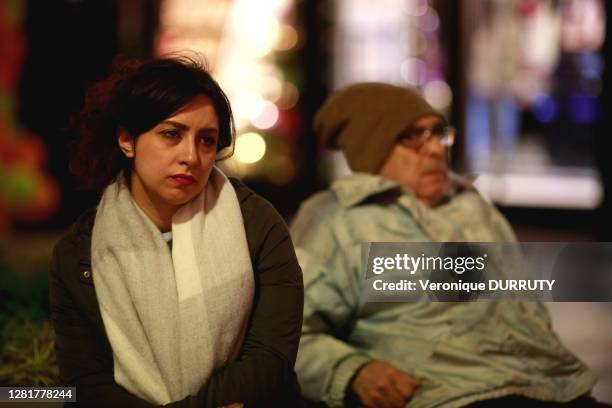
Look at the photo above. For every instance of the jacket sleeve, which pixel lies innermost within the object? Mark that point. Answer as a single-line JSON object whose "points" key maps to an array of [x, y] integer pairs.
{"points": [[83, 353], [262, 375], [327, 361]]}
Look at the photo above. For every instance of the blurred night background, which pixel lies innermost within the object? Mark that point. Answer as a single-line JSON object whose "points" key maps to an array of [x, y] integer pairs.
{"points": [[526, 82]]}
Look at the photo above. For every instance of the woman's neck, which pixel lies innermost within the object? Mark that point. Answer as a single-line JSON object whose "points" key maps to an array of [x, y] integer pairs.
{"points": [[163, 222], [159, 214]]}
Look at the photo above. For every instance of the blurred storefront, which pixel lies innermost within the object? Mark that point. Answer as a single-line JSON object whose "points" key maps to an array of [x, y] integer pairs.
{"points": [[534, 76], [524, 87]]}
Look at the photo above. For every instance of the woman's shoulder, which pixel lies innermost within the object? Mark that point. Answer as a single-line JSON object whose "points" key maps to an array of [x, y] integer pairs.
{"points": [[72, 257], [79, 233], [263, 225], [255, 209]]}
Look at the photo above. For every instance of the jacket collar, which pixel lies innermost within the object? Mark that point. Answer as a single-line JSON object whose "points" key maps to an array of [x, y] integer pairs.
{"points": [[81, 235], [355, 188]]}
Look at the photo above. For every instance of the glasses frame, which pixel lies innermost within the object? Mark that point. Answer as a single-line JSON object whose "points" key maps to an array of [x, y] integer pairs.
{"points": [[446, 139]]}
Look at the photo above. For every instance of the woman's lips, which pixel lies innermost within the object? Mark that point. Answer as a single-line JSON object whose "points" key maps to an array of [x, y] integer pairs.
{"points": [[183, 179]]}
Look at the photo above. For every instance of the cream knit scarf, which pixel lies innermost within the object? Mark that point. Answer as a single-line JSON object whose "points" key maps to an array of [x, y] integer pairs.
{"points": [[172, 318]]}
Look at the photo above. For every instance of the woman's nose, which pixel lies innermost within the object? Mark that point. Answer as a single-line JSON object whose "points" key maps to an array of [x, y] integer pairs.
{"points": [[189, 152]]}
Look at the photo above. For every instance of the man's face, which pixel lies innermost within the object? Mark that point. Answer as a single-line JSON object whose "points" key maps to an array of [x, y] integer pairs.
{"points": [[421, 169]]}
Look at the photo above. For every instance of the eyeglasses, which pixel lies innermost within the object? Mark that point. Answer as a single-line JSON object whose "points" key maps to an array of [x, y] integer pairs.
{"points": [[415, 137]]}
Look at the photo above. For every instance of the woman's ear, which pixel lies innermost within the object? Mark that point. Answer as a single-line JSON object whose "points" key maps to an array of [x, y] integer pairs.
{"points": [[126, 142]]}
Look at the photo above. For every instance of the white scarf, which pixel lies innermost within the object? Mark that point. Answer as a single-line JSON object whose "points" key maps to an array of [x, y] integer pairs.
{"points": [[172, 319]]}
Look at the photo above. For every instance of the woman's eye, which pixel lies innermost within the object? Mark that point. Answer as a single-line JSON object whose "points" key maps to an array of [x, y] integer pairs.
{"points": [[208, 140], [171, 133]]}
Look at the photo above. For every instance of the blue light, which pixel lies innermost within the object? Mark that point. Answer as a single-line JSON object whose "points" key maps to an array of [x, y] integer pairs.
{"points": [[583, 109], [544, 108]]}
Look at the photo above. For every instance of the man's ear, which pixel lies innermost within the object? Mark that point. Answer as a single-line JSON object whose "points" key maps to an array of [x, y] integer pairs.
{"points": [[126, 142]]}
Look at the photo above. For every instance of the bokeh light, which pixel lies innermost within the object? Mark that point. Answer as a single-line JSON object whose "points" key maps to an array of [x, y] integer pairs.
{"points": [[267, 116], [544, 108], [259, 29], [438, 94], [430, 22], [583, 108], [413, 71], [250, 148], [247, 105], [289, 97], [287, 39], [416, 8]]}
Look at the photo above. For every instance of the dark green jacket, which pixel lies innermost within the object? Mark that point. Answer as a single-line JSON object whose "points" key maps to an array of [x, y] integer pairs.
{"points": [[262, 375]]}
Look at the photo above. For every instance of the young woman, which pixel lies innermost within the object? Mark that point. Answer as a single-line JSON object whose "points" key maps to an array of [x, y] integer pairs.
{"points": [[182, 286]]}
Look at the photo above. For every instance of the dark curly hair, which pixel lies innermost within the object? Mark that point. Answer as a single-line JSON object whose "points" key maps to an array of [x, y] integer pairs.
{"points": [[136, 96]]}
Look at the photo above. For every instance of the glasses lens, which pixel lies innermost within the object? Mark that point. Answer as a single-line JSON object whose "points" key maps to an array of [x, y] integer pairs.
{"points": [[447, 136], [412, 137], [416, 137]]}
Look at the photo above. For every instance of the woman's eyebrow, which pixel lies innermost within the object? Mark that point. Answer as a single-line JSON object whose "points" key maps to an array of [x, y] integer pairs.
{"points": [[182, 126], [209, 129], [175, 123]]}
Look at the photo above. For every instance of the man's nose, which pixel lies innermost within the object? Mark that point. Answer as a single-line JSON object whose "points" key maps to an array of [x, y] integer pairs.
{"points": [[433, 146]]}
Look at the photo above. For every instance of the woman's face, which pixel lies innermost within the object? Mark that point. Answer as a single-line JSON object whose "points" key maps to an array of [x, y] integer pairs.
{"points": [[172, 161]]}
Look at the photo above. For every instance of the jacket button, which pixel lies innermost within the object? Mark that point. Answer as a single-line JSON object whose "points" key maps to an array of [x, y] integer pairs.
{"points": [[86, 274]]}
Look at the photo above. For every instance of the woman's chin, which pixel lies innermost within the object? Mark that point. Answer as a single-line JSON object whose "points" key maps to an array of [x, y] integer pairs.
{"points": [[179, 198], [183, 193]]}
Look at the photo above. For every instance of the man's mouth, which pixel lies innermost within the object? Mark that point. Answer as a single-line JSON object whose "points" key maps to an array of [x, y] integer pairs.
{"points": [[437, 172]]}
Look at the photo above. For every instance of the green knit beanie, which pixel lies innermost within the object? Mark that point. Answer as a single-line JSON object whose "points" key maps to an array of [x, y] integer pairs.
{"points": [[364, 121]]}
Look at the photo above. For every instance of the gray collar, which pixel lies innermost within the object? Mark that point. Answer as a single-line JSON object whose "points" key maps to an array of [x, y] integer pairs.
{"points": [[355, 188]]}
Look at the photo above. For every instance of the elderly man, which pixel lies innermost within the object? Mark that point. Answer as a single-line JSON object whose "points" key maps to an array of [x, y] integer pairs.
{"points": [[428, 354]]}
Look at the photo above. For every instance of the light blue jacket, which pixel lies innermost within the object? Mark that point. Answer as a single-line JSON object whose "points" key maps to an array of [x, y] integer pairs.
{"points": [[463, 352]]}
